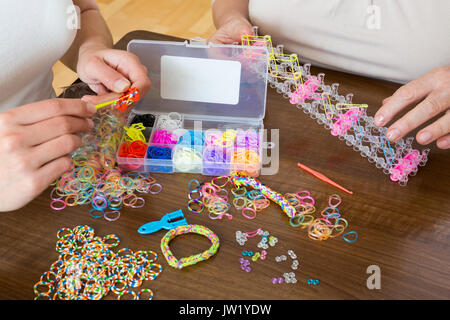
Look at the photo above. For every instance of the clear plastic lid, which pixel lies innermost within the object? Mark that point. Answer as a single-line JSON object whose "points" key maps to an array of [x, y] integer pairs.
{"points": [[204, 81]]}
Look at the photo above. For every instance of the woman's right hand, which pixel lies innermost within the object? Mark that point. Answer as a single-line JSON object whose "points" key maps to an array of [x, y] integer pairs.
{"points": [[231, 31], [35, 141]]}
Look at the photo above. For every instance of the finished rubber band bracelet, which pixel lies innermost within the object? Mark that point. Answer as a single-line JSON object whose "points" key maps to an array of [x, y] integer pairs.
{"points": [[188, 261]]}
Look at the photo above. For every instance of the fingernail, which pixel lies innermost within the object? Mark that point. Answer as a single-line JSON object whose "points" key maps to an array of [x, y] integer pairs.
{"points": [[443, 144], [90, 123], [393, 134], [91, 108], [424, 137], [379, 120], [94, 88], [121, 85]]}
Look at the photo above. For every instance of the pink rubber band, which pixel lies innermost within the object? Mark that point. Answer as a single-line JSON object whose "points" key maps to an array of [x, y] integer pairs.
{"points": [[111, 212], [52, 205], [246, 216], [252, 234], [155, 192]]}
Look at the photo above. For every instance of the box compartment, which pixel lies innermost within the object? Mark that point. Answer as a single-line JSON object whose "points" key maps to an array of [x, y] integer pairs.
{"points": [[201, 88]]}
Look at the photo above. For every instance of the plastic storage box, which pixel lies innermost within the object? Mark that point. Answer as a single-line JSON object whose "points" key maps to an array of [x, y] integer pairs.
{"points": [[209, 104]]}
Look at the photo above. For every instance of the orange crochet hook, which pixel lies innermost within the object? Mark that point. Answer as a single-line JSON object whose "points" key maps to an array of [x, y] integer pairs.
{"points": [[323, 178]]}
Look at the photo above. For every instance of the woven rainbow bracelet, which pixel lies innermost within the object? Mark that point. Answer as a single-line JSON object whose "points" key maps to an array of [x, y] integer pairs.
{"points": [[188, 261], [240, 178]]}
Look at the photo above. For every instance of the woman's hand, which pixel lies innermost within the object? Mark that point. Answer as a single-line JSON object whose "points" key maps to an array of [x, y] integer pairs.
{"points": [[434, 89], [35, 141], [231, 31], [107, 70]]}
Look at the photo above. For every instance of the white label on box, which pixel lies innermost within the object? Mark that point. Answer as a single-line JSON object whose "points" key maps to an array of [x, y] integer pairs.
{"points": [[200, 80]]}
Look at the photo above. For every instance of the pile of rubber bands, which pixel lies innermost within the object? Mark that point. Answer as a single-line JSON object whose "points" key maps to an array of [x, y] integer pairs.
{"points": [[134, 144], [88, 269], [165, 136], [241, 148], [213, 198], [95, 178], [329, 225], [161, 136], [135, 149]]}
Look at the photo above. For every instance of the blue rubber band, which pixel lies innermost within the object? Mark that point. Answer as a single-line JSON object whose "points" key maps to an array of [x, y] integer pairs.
{"points": [[350, 232]]}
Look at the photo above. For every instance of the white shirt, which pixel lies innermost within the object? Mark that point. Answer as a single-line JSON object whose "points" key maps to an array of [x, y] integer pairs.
{"points": [[410, 38], [34, 35]]}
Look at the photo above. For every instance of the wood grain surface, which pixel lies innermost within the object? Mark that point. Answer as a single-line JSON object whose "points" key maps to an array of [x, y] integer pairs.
{"points": [[403, 230]]}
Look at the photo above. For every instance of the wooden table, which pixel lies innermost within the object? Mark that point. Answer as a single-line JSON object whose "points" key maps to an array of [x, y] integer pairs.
{"points": [[403, 230]]}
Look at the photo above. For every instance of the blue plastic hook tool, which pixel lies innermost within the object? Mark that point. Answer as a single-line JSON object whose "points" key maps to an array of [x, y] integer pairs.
{"points": [[168, 221]]}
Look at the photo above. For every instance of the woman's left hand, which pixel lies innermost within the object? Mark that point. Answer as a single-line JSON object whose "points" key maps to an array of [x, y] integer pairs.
{"points": [[434, 89], [107, 70]]}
